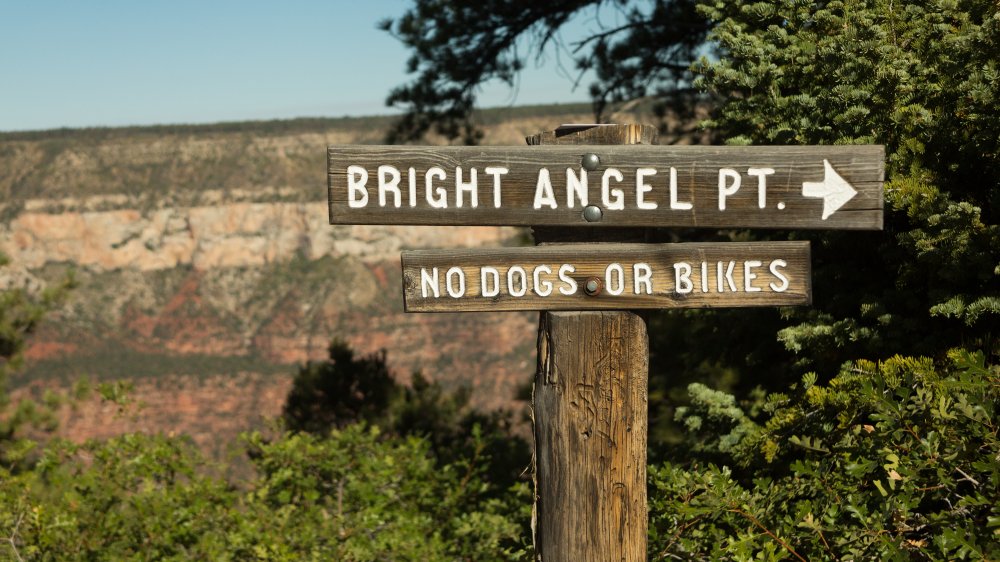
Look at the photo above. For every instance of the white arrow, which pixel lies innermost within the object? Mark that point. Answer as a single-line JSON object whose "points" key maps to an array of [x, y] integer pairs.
{"points": [[834, 190]]}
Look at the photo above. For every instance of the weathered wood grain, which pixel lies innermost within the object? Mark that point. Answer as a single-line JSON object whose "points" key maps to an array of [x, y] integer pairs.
{"points": [[590, 404], [697, 170], [630, 277], [597, 134]]}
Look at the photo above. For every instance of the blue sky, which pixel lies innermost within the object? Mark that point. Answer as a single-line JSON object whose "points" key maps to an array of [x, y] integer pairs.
{"points": [[110, 63]]}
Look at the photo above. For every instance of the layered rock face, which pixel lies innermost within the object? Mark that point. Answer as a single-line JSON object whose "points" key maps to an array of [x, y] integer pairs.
{"points": [[269, 281], [207, 272]]}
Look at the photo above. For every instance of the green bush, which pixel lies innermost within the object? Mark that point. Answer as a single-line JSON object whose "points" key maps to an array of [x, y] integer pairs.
{"points": [[890, 461], [353, 494], [132, 497]]}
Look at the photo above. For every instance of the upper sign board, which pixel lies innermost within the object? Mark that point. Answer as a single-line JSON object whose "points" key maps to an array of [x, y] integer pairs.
{"points": [[795, 187]]}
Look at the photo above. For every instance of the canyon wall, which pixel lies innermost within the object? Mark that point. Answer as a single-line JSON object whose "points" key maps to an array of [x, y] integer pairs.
{"points": [[207, 272]]}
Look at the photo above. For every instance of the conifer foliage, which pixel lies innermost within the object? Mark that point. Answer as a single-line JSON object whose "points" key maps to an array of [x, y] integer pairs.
{"points": [[922, 79], [634, 49], [896, 455]]}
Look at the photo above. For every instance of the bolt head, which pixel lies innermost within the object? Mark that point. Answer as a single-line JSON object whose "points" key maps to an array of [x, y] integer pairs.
{"points": [[590, 161], [592, 213], [592, 286]]}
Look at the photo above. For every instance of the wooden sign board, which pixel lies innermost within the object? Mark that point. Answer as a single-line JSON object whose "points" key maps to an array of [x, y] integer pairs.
{"points": [[608, 276], [797, 187]]}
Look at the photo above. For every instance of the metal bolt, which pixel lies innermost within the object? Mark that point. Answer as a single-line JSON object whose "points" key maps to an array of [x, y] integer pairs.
{"points": [[592, 286], [590, 161], [592, 213]]}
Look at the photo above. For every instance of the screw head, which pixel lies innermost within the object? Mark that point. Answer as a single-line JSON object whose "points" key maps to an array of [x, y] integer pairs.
{"points": [[592, 213], [590, 161], [592, 286]]}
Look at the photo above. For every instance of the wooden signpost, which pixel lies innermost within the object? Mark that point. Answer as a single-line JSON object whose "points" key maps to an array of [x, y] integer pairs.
{"points": [[589, 403]]}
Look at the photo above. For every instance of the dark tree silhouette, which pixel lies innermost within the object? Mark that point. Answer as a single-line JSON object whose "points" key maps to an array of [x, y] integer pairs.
{"points": [[635, 49], [346, 389], [339, 391]]}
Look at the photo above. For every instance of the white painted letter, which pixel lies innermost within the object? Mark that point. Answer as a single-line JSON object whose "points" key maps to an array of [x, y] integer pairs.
{"points": [[674, 203], [729, 276], [496, 172], [564, 271], [612, 289], [761, 174], [576, 188], [472, 187], [682, 278], [543, 191], [542, 288], [441, 201], [448, 285], [643, 275], [429, 281], [607, 192], [784, 280], [389, 185], [411, 175], [749, 276], [357, 177], [642, 188], [485, 274], [510, 281], [724, 189]]}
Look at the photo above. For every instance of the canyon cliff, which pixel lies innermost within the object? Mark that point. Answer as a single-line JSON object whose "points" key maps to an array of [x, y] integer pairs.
{"points": [[207, 271]]}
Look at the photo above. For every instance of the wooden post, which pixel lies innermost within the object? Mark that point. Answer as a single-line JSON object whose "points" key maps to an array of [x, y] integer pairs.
{"points": [[590, 412]]}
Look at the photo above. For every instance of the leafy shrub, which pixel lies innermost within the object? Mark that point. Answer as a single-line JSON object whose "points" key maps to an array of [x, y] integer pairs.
{"points": [[131, 497], [355, 495], [351, 495], [890, 461]]}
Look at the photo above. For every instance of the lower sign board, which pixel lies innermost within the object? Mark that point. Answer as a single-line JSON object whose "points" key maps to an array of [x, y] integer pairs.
{"points": [[608, 276]]}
